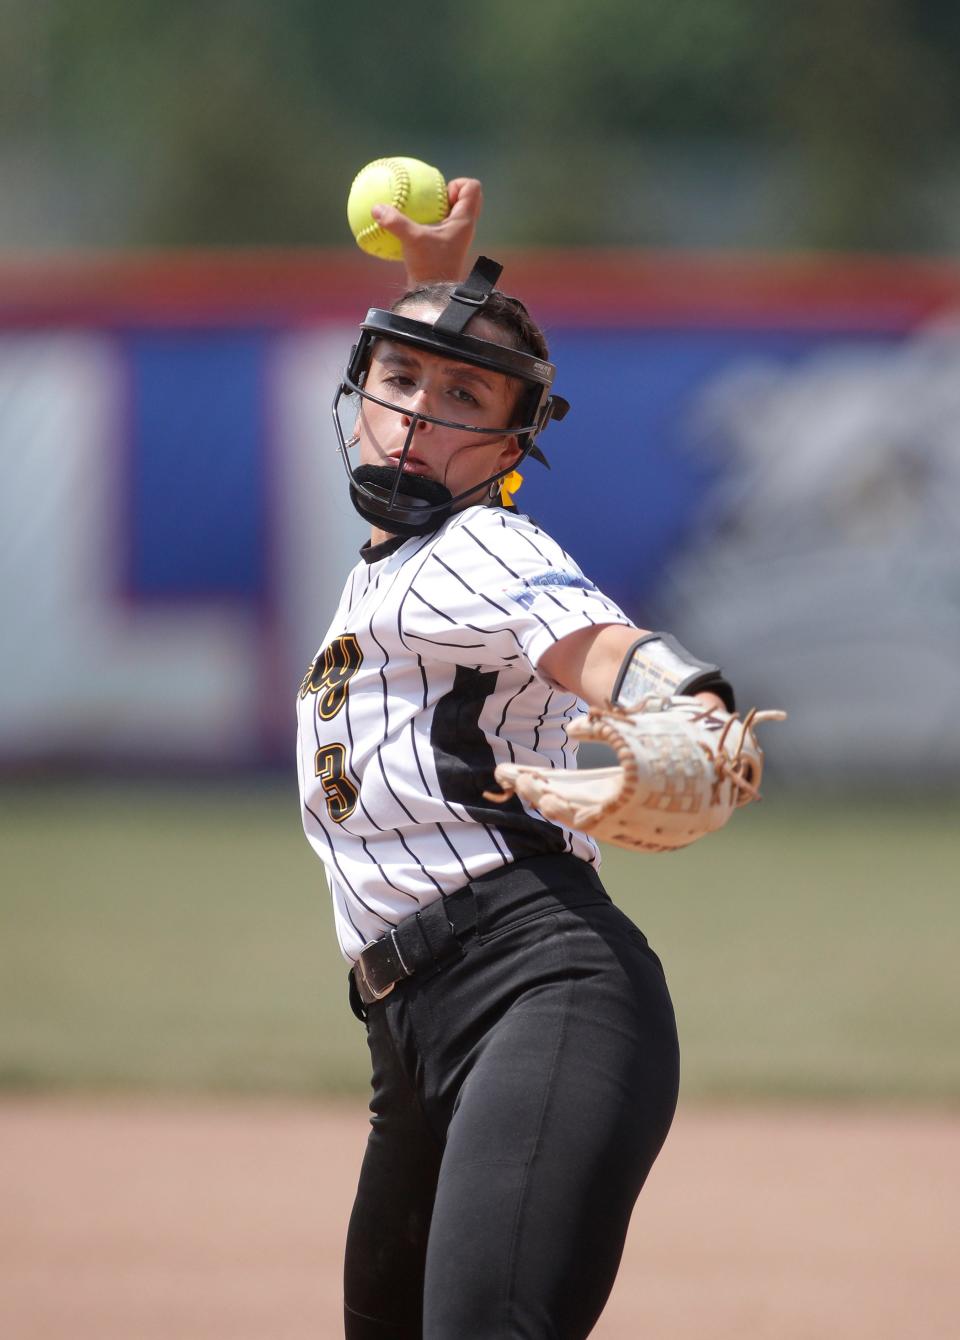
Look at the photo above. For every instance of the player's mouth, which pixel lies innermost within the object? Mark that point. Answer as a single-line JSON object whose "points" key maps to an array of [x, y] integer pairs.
{"points": [[413, 465]]}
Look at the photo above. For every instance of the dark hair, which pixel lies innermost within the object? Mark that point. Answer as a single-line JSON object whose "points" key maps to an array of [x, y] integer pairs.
{"points": [[508, 314]]}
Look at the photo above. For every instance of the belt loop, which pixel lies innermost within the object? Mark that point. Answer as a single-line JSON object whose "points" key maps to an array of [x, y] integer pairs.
{"points": [[462, 912], [438, 933]]}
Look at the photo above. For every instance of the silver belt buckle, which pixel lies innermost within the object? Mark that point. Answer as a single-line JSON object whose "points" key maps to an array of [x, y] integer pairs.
{"points": [[368, 987]]}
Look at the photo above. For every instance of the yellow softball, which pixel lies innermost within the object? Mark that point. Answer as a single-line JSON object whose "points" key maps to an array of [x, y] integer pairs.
{"points": [[416, 189]]}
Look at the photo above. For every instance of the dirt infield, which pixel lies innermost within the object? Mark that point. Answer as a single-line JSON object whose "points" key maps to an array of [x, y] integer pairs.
{"points": [[136, 1221]]}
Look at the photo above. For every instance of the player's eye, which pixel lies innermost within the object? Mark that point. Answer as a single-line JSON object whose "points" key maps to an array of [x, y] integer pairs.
{"points": [[400, 381], [465, 397]]}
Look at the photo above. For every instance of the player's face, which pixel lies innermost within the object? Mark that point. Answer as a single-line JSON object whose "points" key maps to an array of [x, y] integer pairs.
{"points": [[413, 381]]}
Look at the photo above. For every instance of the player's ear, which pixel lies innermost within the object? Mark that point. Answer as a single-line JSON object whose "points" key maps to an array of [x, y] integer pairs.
{"points": [[509, 452]]}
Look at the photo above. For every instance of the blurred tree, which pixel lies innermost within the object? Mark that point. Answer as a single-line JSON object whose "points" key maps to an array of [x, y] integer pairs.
{"points": [[866, 101], [715, 121]]}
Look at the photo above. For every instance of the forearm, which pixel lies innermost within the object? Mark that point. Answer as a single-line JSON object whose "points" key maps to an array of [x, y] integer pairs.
{"points": [[589, 663]]}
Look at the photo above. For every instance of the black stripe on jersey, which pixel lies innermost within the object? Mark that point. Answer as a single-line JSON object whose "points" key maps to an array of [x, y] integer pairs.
{"points": [[506, 708], [383, 570], [595, 594], [477, 541], [547, 562], [396, 831], [462, 623], [537, 531], [358, 589], [455, 623], [386, 732], [507, 568], [566, 719], [333, 857], [465, 762], [539, 726], [430, 545], [373, 860], [413, 856], [490, 832], [439, 827], [437, 642], [386, 654], [617, 615], [473, 591], [480, 595], [383, 678], [412, 590]]}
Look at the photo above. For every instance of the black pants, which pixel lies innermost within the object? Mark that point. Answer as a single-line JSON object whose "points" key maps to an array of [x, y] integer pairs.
{"points": [[520, 1096]]}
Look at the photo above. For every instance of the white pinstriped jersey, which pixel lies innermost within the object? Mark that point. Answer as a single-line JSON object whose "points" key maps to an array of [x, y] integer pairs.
{"points": [[426, 679]]}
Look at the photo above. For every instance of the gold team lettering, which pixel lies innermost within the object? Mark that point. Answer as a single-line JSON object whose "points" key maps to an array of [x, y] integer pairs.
{"points": [[329, 678]]}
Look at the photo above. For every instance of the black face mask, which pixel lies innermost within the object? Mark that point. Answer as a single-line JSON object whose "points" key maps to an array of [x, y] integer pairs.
{"points": [[408, 504], [404, 503]]}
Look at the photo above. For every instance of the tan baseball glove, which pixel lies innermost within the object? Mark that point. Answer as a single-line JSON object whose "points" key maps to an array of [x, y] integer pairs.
{"points": [[682, 770]]}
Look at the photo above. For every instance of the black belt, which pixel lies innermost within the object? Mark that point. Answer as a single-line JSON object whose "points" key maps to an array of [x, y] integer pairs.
{"points": [[430, 938], [436, 935]]}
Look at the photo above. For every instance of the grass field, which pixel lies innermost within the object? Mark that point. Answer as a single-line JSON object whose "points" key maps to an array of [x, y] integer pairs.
{"points": [[180, 938]]}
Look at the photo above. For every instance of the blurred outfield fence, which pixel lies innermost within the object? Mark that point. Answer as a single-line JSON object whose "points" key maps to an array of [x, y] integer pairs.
{"points": [[763, 456]]}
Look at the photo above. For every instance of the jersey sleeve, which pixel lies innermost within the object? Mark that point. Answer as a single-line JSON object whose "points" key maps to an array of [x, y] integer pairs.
{"points": [[496, 589]]}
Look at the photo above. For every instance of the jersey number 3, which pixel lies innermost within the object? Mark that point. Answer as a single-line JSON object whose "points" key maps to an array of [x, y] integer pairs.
{"points": [[340, 792], [329, 678]]}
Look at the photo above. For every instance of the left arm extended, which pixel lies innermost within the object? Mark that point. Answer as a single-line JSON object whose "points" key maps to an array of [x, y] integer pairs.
{"points": [[685, 761], [588, 663]]}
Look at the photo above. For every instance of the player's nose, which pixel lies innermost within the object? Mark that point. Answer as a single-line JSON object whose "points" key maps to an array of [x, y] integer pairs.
{"points": [[417, 405]]}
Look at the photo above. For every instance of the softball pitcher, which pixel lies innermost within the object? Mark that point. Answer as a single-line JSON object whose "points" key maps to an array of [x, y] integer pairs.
{"points": [[522, 1040]]}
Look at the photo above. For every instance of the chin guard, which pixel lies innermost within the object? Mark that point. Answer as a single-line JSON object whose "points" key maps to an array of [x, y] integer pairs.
{"points": [[403, 504]]}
